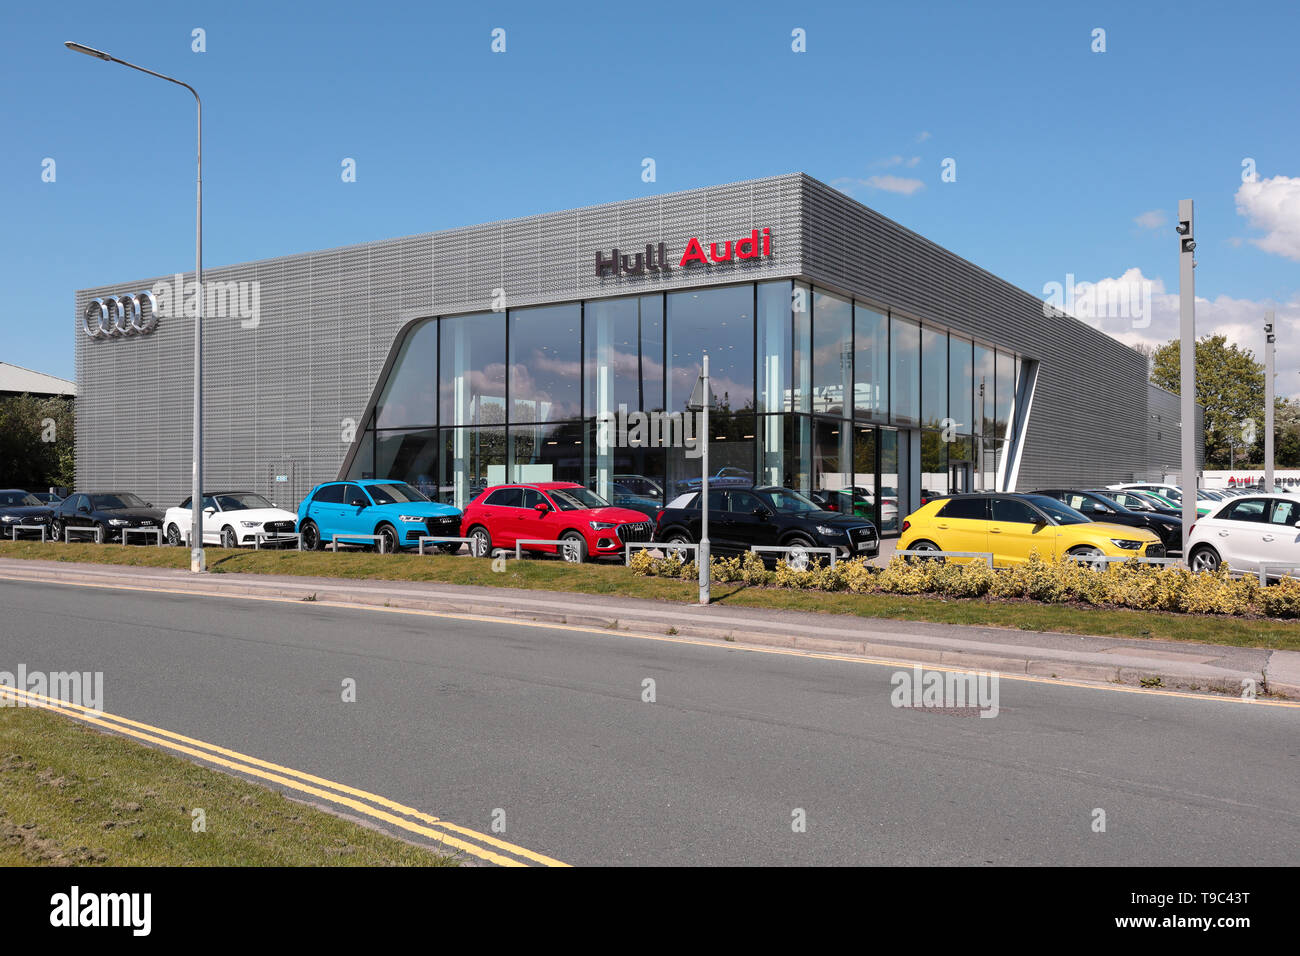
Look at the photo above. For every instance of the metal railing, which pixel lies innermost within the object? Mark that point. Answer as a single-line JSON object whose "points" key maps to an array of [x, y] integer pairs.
{"points": [[666, 548], [334, 540], [1106, 559], [15, 528], [986, 555], [277, 536], [786, 549], [1265, 565], [436, 539], [570, 546], [79, 528], [157, 532]]}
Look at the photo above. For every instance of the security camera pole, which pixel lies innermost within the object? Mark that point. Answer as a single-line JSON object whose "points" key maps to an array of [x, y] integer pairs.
{"points": [[198, 560], [1187, 362], [1269, 349]]}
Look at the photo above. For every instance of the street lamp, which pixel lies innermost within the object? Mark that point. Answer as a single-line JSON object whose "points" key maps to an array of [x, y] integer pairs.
{"points": [[1269, 349], [1187, 361], [198, 560]]}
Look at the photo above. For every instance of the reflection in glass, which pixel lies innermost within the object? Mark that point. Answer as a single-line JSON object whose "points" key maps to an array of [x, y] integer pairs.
{"points": [[408, 397], [904, 371], [546, 452], [773, 349], [934, 464], [720, 320], [472, 369], [832, 353], [545, 363], [472, 459], [985, 382], [961, 362], [871, 364], [1005, 394], [934, 370], [410, 456]]}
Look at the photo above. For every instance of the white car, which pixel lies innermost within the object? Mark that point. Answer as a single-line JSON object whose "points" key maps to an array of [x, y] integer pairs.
{"points": [[230, 518], [1243, 533]]}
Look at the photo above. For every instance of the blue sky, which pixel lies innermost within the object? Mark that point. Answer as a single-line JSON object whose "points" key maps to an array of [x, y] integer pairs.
{"points": [[1067, 160]]}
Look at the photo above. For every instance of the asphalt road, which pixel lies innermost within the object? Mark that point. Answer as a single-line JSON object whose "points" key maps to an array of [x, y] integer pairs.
{"points": [[460, 718]]}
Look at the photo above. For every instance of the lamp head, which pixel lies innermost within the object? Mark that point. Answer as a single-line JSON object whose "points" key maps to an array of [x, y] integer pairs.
{"points": [[89, 51]]}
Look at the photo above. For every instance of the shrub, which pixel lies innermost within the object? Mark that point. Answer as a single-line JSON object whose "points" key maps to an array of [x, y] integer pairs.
{"points": [[908, 576], [643, 563], [1281, 599], [860, 577], [969, 580]]}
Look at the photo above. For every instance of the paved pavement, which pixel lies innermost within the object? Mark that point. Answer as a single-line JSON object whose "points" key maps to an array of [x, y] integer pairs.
{"points": [[548, 723]]}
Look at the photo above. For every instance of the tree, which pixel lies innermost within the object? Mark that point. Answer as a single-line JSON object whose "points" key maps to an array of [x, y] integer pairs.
{"points": [[1229, 386], [37, 442]]}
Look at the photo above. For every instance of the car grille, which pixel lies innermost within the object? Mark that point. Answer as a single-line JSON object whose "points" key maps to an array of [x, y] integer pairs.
{"points": [[634, 532], [1155, 551], [278, 527], [864, 533], [446, 526]]}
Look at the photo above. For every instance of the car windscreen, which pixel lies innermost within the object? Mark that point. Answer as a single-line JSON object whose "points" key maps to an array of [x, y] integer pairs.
{"points": [[787, 501], [576, 499], [18, 498], [1059, 513], [242, 502], [109, 502], [397, 493]]}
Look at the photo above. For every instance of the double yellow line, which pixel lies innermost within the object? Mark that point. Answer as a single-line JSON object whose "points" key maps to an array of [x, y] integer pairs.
{"points": [[480, 845]]}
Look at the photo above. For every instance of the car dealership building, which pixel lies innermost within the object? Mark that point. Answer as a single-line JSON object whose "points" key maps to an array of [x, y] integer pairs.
{"points": [[845, 351]]}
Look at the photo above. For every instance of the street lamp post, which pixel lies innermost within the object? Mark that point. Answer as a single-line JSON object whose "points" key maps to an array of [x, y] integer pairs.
{"points": [[1187, 361], [198, 560], [1269, 349]]}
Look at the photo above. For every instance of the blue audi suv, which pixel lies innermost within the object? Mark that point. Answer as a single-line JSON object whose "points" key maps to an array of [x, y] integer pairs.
{"points": [[393, 510]]}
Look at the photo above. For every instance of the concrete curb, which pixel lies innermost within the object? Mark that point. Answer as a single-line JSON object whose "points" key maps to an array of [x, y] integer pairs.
{"points": [[1128, 667]]}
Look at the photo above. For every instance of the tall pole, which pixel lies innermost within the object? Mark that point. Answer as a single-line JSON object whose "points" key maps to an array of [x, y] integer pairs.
{"points": [[1187, 362], [1269, 349], [198, 560], [703, 561]]}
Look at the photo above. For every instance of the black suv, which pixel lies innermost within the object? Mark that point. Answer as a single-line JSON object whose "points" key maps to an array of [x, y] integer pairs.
{"points": [[740, 518], [1100, 507], [18, 507], [107, 513]]}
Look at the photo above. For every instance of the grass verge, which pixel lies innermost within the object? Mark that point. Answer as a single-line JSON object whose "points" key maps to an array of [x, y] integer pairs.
{"points": [[609, 579], [73, 796]]}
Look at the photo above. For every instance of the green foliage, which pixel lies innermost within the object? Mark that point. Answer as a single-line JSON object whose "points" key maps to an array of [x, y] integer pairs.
{"points": [[37, 442], [1229, 385]]}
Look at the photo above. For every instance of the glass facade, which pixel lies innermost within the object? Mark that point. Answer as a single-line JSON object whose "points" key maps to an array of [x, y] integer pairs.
{"points": [[815, 391]]}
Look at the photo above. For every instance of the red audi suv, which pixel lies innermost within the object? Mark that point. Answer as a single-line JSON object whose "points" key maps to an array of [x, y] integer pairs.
{"points": [[587, 524]]}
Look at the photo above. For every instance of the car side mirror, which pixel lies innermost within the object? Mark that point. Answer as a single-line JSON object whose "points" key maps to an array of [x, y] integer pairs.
{"points": [[356, 503], [83, 509], [761, 512], [541, 508], [209, 511]]}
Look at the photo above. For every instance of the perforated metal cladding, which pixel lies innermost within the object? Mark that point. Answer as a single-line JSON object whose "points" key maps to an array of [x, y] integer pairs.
{"points": [[285, 391], [1089, 418]]}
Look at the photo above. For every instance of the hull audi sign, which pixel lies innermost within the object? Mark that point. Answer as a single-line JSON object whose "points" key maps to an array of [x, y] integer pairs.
{"points": [[757, 245]]}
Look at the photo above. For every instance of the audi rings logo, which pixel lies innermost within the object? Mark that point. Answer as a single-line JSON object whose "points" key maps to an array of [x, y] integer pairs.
{"points": [[115, 316]]}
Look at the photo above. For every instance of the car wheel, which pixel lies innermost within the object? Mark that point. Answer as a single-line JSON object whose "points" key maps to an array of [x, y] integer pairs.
{"points": [[387, 538], [924, 545], [174, 536], [798, 558], [311, 536], [1204, 558], [481, 546], [573, 547], [1085, 552], [677, 538], [228, 539], [56, 529]]}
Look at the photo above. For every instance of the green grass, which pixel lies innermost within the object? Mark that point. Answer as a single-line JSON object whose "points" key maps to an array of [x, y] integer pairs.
{"points": [[71, 795], [553, 575]]}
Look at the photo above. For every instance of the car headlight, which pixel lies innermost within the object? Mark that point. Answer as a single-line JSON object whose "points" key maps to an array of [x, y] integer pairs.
{"points": [[251, 524], [8, 519], [826, 530], [415, 518], [118, 522], [1126, 545], [602, 525]]}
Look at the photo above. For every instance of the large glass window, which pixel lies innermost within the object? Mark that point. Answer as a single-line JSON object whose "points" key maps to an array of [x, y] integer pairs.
{"points": [[934, 377], [1006, 377], [832, 352], [934, 463], [871, 364], [894, 478], [985, 384], [961, 363], [773, 351], [832, 455], [409, 456], [409, 397], [472, 459], [731, 457], [623, 354], [720, 321], [904, 371], [801, 374], [472, 363], [545, 452], [545, 357]]}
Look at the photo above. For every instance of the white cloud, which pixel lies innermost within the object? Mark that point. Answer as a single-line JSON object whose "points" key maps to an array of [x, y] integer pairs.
{"points": [[889, 184], [1273, 205], [1152, 219], [922, 136], [1241, 321]]}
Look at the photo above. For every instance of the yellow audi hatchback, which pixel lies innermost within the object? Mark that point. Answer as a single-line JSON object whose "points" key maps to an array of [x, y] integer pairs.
{"points": [[1013, 526]]}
